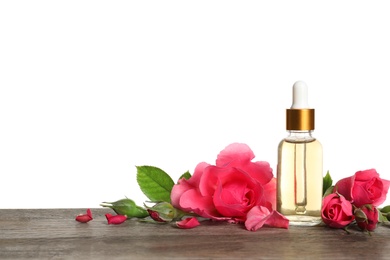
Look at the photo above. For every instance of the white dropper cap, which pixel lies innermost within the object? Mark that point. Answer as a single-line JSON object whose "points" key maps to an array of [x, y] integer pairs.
{"points": [[300, 95], [300, 116]]}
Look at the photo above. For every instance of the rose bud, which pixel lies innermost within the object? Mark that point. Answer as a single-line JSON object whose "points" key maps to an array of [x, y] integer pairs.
{"points": [[115, 219], [360, 216], [84, 218], [155, 216], [371, 217], [164, 212], [336, 211], [126, 207]]}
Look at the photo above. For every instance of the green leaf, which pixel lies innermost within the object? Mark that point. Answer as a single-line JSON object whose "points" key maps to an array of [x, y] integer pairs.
{"points": [[327, 182], [328, 191], [382, 218], [385, 209], [154, 183], [185, 175], [126, 207]]}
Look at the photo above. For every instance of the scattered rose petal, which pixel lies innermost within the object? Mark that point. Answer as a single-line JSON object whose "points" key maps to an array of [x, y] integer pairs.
{"points": [[115, 219], [260, 216], [277, 220], [256, 218], [84, 218], [188, 223]]}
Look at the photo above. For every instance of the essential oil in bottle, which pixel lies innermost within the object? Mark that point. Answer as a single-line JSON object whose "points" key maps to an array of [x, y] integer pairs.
{"points": [[299, 170]]}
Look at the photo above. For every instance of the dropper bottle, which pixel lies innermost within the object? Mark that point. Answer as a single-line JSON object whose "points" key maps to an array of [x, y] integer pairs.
{"points": [[299, 170]]}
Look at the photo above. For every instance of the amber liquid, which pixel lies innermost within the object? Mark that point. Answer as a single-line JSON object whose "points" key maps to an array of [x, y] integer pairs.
{"points": [[299, 181]]}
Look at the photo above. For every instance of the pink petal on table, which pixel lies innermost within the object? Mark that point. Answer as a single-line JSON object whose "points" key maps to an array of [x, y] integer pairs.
{"points": [[259, 216], [84, 218], [115, 219], [188, 223]]}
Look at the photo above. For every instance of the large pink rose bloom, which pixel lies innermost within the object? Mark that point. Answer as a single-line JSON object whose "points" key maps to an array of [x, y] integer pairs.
{"points": [[229, 189], [365, 187]]}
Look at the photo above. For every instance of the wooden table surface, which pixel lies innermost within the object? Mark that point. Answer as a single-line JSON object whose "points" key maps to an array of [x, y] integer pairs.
{"points": [[54, 234]]}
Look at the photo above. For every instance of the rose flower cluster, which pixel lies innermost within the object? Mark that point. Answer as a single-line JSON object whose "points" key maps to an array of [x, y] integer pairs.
{"points": [[237, 189], [355, 199]]}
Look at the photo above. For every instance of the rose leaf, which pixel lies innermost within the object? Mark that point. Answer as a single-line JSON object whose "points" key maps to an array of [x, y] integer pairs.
{"points": [[154, 183], [327, 183]]}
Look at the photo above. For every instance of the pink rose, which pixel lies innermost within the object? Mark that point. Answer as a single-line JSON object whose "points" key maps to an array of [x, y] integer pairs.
{"points": [[365, 187], [229, 189], [370, 219], [336, 211]]}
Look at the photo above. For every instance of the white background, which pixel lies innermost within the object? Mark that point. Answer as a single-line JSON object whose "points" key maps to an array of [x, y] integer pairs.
{"points": [[90, 89]]}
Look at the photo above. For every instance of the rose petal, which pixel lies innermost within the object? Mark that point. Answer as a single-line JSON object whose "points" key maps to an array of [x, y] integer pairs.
{"points": [[270, 192], [191, 200], [185, 185], [256, 218], [89, 213], [178, 190], [240, 155], [188, 223], [344, 187], [84, 218], [277, 220], [261, 171], [117, 219], [234, 153], [259, 216]]}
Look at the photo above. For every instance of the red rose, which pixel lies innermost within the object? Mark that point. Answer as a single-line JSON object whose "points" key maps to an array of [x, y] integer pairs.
{"points": [[229, 189], [370, 218], [336, 211], [365, 187]]}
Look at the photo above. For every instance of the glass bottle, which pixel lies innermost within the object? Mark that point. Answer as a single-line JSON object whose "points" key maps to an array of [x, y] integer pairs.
{"points": [[299, 170]]}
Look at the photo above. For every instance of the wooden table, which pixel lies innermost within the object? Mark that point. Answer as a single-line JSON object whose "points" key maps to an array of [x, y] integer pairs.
{"points": [[54, 234]]}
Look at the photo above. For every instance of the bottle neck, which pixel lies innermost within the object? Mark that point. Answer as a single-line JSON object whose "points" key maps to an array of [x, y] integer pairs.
{"points": [[300, 136]]}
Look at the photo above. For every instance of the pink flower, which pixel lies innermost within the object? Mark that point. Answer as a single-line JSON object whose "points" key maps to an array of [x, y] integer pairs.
{"points": [[115, 219], [228, 190], [337, 212], [188, 223], [365, 187], [259, 216], [370, 219], [84, 218]]}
